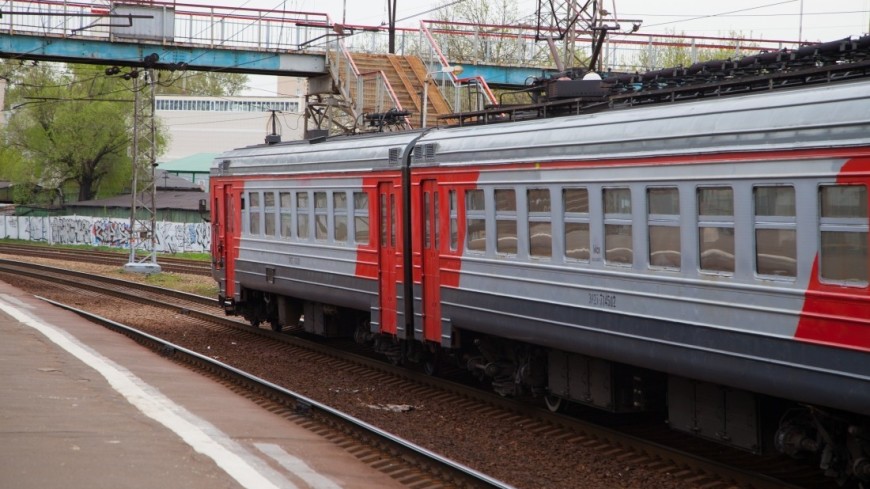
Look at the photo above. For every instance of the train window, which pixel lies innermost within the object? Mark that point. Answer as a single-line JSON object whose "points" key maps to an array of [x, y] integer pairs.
{"points": [[361, 217], [506, 221], [663, 221], [254, 213], [454, 221], [844, 229], [475, 220], [775, 231], [320, 217], [285, 208], [302, 206], [269, 213], [618, 248], [716, 228], [339, 216], [231, 213], [575, 201], [540, 226]]}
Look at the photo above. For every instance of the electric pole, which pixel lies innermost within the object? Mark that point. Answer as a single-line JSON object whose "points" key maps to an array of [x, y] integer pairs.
{"points": [[143, 210], [391, 28]]}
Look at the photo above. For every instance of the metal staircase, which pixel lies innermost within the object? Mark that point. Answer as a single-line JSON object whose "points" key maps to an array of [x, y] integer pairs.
{"points": [[406, 75], [372, 92], [385, 92]]}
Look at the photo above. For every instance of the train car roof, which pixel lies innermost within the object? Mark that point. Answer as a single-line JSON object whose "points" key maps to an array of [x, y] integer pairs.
{"points": [[802, 118], [363, 152]]}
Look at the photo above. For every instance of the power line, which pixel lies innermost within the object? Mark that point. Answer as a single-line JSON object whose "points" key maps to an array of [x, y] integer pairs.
{"points": [[199, 123], [721, 14], [754, 15]]}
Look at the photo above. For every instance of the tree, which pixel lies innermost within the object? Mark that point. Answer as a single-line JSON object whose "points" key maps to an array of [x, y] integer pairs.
{"points": [[71, 126], [70, 129], [664, 53], [494, 38]]}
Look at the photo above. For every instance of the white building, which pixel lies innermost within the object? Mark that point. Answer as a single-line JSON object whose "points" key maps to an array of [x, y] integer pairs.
{"points": [[217, 124]]}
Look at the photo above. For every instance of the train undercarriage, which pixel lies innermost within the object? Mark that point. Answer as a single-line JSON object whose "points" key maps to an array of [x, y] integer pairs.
{"points": [[839, 442]]}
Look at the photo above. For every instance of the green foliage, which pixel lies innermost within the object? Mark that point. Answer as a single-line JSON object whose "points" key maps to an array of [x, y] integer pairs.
{"points": [[70, 133], [663, 53], [71, 127], [490, 43], [12, 168]]}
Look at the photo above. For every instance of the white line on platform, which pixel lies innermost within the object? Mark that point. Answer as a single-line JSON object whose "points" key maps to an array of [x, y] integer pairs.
{"points": [[297, 466], [192, 429]]}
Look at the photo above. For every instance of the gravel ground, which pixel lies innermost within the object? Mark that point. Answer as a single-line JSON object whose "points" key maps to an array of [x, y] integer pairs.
{"points": [[503, 450]]}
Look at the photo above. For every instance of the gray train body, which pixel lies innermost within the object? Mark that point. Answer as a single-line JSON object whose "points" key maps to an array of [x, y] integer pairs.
{"points": [[498, 282]]}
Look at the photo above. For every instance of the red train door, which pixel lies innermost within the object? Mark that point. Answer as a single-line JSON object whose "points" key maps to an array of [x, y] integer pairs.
{"points": [[225, 217], [431, 281], [386, 211], [218, 238]]}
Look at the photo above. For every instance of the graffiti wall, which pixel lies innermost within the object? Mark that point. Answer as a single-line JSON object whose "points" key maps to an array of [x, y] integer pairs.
{"points": [[172, 237]]}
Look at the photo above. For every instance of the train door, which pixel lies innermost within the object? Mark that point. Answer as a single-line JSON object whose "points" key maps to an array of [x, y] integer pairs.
{"points": [[431, 242], [218, 238], [226, 214], [387, 265]]}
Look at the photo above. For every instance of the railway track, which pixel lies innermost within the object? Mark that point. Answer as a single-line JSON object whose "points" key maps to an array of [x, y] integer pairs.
{"points": [[167, 264], [411, 462], [639, 446]]}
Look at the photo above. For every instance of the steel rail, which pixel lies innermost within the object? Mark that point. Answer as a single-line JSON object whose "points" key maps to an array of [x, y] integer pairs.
{"points": [[445, 469], [669, 454]]}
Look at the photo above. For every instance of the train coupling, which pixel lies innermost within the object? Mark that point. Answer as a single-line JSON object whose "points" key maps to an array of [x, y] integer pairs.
{"points": [[228, 305]]}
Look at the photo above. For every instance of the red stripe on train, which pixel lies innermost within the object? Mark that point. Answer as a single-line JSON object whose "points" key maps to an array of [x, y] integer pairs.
{"points": [[834, 314]]}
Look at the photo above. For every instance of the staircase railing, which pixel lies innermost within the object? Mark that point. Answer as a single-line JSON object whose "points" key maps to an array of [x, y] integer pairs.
{"points": [[369, 93], [463, 94]]}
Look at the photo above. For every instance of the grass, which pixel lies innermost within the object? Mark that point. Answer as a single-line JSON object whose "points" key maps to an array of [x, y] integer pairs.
{"points": [[193, 284], [176, 282], [120, 251]]}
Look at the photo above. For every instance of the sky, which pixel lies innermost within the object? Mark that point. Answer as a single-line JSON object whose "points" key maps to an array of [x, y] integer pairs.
{"points": [[813, 20], [770, 19]]}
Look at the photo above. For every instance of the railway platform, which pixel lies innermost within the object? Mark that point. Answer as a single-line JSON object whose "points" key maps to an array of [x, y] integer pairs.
{"points": [[83, 407]]}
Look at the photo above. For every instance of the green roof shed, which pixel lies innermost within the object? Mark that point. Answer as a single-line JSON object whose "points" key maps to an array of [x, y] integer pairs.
{"points": [[194, 168]]}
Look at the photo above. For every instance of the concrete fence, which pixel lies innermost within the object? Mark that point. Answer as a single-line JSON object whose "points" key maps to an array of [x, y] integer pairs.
{"points": [[172, 237]]}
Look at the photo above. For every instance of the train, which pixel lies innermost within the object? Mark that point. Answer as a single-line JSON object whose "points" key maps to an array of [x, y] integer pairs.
{"points": [[705, 258]]}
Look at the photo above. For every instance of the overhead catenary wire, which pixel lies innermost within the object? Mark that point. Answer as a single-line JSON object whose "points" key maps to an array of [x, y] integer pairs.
{"points": [[719, 14]]}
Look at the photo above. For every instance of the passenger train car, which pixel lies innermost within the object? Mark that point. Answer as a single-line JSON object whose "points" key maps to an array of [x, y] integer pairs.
{"points": [[706, 257]]}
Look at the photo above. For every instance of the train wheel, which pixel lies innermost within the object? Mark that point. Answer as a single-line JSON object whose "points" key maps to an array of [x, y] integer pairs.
{"points": [[430, 366], [277, 327], [432, 361], [362, 334], [554, 403]]}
